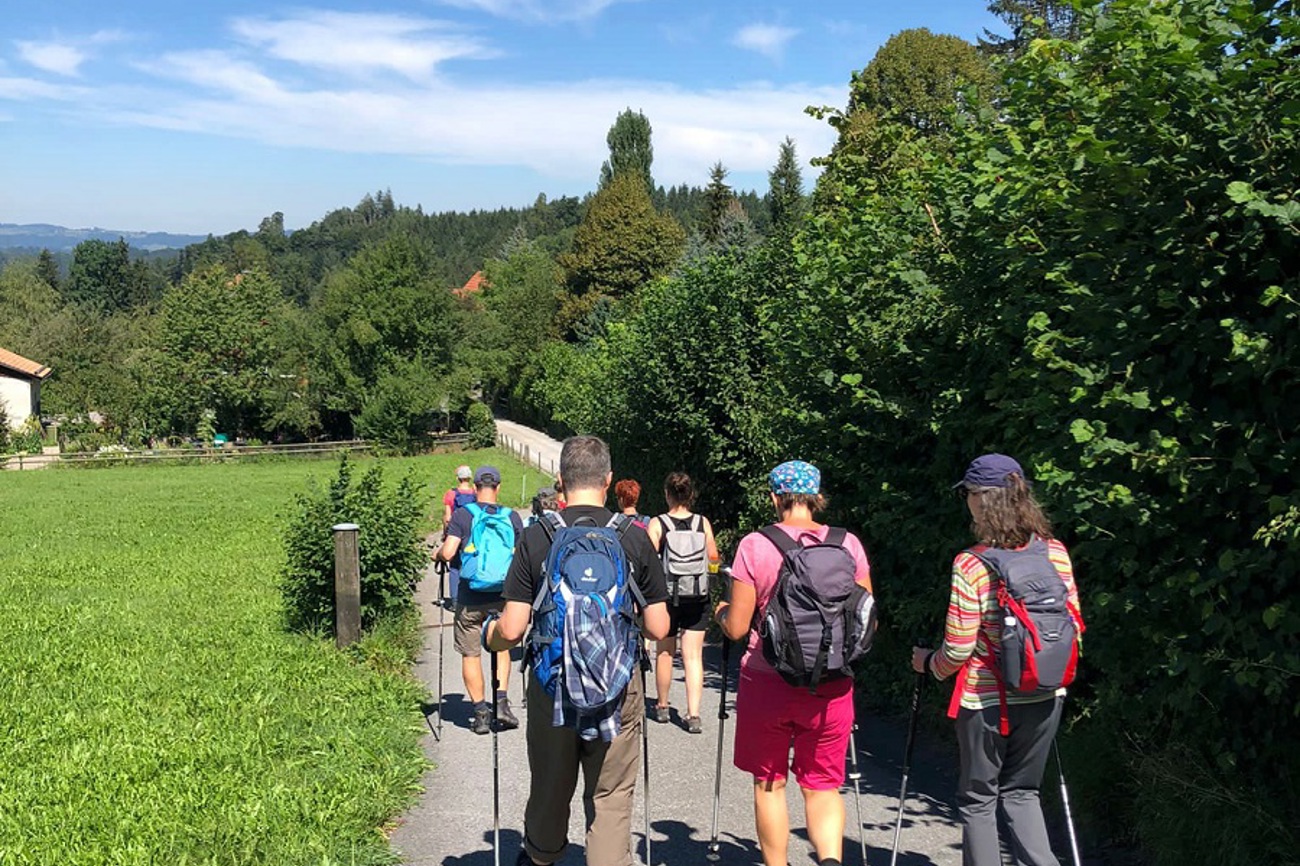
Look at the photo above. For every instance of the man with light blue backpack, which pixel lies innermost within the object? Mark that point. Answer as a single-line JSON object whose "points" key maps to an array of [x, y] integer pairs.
{"points": [[481, 543]]}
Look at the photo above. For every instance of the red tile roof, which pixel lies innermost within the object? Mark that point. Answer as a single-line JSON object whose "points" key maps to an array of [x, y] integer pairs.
{"points": [[24, 367], [472, 286]]}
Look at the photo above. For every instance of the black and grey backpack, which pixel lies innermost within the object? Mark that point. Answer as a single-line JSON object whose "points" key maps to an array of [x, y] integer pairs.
{"points": [[818, 620]]}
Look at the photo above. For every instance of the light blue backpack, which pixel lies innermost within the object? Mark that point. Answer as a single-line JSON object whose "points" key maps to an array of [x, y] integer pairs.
{"points": [[486, 557]]}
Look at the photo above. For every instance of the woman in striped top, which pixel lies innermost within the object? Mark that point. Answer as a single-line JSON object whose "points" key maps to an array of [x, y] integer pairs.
{"points": [[996, 766]]}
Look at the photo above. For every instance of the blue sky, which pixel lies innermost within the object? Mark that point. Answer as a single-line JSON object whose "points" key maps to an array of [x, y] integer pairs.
{"points": [[206, 117]]}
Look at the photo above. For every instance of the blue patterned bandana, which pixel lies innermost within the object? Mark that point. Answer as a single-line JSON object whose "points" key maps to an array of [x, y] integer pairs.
{"points": [[795, 476]]}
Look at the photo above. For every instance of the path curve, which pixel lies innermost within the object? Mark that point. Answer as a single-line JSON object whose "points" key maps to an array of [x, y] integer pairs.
{"points": [[531, 446]]}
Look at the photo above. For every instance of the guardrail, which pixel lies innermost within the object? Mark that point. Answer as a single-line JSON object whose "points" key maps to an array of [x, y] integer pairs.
{"points": [[526, 455]]}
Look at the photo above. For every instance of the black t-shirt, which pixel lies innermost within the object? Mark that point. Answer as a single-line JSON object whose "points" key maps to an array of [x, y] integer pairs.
{"points": [[461, 524], [530, 558]]}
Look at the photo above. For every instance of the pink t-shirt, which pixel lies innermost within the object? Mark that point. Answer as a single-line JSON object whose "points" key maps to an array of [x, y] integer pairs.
{"points": [[758, 561]]}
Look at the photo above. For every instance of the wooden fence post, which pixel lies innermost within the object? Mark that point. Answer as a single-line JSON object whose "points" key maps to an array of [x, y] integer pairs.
{"points": [[347, 586]]}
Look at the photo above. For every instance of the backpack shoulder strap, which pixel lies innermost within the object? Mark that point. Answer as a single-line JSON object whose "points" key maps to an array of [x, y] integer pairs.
{"points": [[783, 542], [836, 536], [697, 523], [666, 523], [505, 511], [473, 508], [620, 523], [552, 522]]}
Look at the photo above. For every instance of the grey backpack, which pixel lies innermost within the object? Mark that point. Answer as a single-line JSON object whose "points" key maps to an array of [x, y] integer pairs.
{"points": [[818, 620], [685, 557]]}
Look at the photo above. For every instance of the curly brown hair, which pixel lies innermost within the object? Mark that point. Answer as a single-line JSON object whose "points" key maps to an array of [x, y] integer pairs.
{"points": [[1009, 516], [627, 492]]}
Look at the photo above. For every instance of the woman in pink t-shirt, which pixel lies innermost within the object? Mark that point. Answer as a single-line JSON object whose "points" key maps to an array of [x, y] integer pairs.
{"points": [[771, 714]]}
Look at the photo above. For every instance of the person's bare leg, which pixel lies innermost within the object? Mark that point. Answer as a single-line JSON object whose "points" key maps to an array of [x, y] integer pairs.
{"points": [[825, 813], [471, 670], [693, 665], [772, 820], [664, 670], [503, 670]]}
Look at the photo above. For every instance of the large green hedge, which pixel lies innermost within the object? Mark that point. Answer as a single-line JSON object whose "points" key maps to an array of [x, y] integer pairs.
{"points": [[1099, 275]]}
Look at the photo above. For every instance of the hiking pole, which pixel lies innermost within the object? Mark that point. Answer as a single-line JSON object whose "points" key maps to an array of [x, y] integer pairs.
{"points": [[713, 854], [645, 750], [907, 763], [496, 769], [855, 776], [1065, 801], [441, 568]]}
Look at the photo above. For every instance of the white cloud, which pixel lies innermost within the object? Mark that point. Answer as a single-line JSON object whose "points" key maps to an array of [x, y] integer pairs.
{"points": [[547, 11], [360, 42], [556, 128], [59, 58], [25, 89], [767, 39]]}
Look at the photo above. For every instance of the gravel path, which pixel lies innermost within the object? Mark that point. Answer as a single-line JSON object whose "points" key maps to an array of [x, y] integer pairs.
{"points": [[452, 823]]}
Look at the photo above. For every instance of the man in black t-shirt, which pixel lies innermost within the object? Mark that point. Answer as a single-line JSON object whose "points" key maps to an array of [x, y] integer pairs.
{"points": [[474, 606], [555, 754]]}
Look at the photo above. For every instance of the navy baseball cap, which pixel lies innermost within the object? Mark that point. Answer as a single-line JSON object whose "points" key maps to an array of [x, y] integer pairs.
{"points": [[487, 476], [991, 470]]}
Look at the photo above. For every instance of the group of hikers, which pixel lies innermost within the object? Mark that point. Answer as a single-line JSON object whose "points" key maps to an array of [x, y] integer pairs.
{"points": [[595, 594]]}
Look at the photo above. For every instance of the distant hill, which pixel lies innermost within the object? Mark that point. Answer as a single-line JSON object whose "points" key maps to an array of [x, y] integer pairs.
{"points": [[60, 239]]}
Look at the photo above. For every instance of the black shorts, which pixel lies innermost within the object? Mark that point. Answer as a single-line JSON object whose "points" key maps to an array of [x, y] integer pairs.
{"points": [[688, 614]]}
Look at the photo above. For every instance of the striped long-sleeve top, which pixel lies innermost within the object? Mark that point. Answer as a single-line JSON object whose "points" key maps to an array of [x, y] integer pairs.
{"points": [[972, 610]]}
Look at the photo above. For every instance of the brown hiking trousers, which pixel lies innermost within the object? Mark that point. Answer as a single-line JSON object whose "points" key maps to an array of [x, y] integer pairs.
{"points": [[609, 772]]}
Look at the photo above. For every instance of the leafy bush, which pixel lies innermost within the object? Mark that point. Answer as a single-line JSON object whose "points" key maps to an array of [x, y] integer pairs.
{"points": [[482, 426], [28, 438], [389, 547], [4, 428]]}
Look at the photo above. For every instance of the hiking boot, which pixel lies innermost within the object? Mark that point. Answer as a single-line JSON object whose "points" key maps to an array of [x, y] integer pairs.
{"points": [[507, 718], [662, 714], [693, 725], [482, 723]]}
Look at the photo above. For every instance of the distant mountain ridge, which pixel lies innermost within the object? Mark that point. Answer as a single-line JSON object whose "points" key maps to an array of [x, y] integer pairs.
{"points": [[60, 239]]}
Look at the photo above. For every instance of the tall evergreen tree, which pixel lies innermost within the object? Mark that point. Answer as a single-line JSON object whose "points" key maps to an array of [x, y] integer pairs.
{"points": [[717, 201], [785, 201], [47, 269], [1027, 20], [629, 149]]}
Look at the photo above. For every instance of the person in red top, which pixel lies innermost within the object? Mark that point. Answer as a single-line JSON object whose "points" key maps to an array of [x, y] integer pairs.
{"points": [[996, 767], [772, 715]]}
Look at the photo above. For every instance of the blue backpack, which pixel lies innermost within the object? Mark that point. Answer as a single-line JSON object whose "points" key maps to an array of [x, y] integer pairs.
{"points": [[461, 498], [585, 642], [485, 557]]}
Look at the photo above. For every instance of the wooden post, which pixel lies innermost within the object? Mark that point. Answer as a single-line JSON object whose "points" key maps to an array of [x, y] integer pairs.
{"points": [[347, 586]]}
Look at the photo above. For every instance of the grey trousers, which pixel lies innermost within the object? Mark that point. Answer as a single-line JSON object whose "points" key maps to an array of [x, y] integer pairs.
{"points": [[1009, 770], [609, 770]]}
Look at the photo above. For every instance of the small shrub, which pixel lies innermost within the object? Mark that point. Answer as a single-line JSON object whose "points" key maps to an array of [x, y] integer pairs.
{"points": [[27, 439], [4, 429], [482, 426], [389, 546]]}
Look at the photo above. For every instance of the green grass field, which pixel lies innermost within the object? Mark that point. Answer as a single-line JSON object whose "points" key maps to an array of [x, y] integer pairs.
{"points": [[153, 710]]}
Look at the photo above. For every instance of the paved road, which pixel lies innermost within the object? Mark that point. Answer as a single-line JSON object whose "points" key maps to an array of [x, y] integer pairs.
{"points": [[452, 824], [541, 450]]}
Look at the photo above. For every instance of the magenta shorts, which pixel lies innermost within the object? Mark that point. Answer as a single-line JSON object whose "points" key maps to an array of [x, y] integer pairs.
{"points": [[772, 717]]}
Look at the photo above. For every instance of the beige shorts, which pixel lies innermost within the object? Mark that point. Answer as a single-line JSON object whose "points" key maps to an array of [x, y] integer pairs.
{"points": [[469, 626]]}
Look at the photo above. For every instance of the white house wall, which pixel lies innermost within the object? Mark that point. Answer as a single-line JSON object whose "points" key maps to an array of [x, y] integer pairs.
{"points": [[18, 396]]}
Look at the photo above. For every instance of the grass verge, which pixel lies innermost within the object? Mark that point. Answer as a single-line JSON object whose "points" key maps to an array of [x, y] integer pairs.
{"points": [[156, 711]]}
